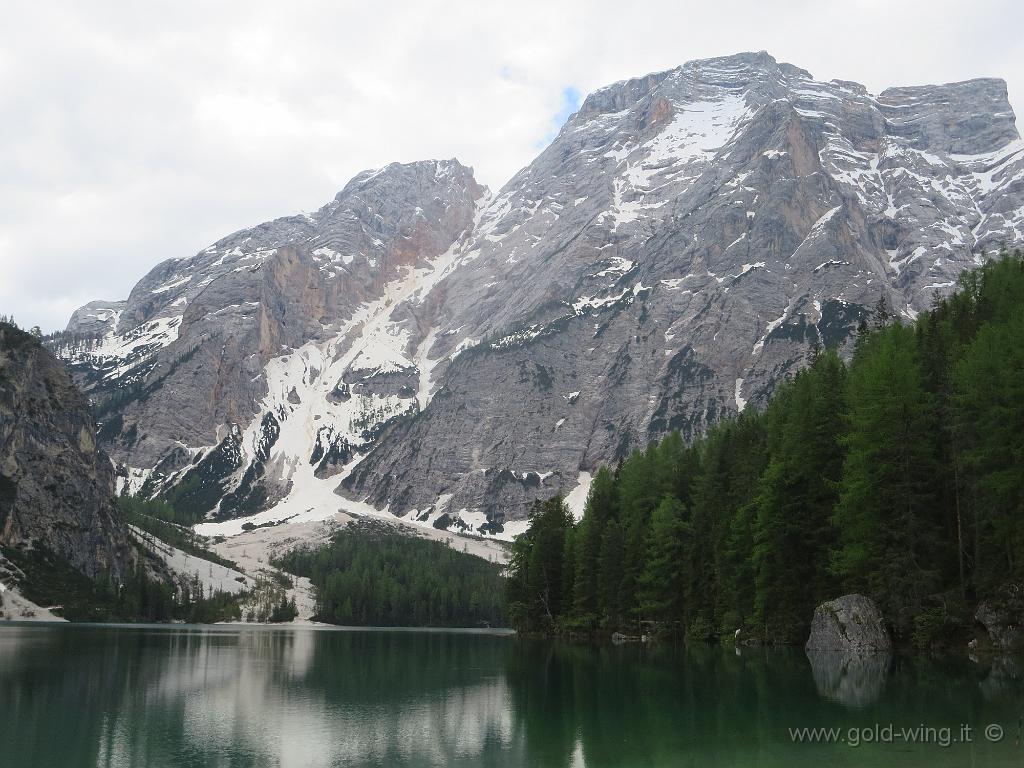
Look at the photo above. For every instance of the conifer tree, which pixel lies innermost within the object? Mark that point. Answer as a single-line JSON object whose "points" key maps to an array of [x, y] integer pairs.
{"points": [[661, 591], [798, 492], [600, 508], [610, 573], [887, 538], [989, 392], [898, 475]]}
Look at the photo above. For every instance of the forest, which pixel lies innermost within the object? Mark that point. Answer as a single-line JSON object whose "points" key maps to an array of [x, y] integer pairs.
{"points": [[370, 575], [898, 474], [140, 594]]}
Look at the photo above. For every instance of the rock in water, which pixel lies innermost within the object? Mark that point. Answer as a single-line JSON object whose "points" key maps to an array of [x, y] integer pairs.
{"points": [[848, 623], [1003, 616]]}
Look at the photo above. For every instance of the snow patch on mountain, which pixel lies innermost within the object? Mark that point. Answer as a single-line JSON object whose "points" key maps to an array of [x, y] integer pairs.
{"points": [[741, 402], [576, 499]]}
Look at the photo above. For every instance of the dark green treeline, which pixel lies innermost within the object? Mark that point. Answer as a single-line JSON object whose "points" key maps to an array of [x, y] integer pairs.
{"points": [[371, 575], [899, 474]]}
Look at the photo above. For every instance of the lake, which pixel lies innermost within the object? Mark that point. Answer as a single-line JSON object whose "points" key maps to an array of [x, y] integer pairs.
{"points": [[307, 697]]}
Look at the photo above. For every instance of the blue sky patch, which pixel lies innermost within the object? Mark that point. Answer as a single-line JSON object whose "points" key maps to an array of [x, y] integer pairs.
{"points": [[570, 103]]}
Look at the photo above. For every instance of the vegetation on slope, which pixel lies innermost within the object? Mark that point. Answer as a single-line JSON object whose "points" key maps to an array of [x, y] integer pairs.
{"points": [[899, 474], [49, 581], [371, 575], [158, 518]]}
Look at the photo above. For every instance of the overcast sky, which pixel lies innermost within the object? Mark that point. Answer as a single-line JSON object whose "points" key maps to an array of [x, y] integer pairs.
{"points": [[132, 132]]}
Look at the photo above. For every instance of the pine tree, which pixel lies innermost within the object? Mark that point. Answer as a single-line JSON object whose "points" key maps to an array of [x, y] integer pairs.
{"points": [[643, 479], [661, 592], [539, 568], [743, 462], [887, 539], [610, 573], [600, 508], [798, 492], [989, 392]]}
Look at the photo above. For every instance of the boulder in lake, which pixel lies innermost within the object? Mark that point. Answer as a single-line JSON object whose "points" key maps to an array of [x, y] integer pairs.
{"points": [[849, 623]]}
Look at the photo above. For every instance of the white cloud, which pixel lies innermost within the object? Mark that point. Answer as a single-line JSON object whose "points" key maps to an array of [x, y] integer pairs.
{"points": [[134, 132]]}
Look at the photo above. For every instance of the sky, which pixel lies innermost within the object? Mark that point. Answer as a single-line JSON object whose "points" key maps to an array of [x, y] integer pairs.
{"points": [[131, 133]]}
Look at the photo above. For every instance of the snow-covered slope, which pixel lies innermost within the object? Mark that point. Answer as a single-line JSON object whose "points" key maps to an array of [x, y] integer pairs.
{"points": [[420, 350], [14, 607], [214, 577], [259, 368]]}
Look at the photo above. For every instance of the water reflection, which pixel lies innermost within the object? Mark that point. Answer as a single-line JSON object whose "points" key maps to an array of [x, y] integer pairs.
{"points": [[1004, 679], [249, 697], [851, 679]]}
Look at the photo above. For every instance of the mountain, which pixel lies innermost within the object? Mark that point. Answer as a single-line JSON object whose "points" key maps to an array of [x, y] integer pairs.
{"points": [[421, 349], [56, 485], [201, 354]]}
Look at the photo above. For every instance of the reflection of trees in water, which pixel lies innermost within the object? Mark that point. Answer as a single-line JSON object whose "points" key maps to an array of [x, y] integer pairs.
{"points": [[310, 698], [406, 697], [920, 687], [403, 663], [606, 706], [63, 678], [851, 679], [637, 705]]}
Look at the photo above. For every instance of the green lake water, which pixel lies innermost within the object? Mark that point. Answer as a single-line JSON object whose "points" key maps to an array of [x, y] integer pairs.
{"points": [[226, 696]]}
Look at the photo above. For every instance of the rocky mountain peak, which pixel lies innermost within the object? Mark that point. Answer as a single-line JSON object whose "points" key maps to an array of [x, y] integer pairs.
{"points": [[448, 357], [220, 316], [403, 182], [969, 117], [718, 217], [97, 318]]}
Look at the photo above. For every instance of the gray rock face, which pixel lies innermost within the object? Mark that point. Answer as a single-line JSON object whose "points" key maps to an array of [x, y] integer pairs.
{"points": [[1003, 618], [676, 251], [56, 487], [96, 319], [851, 624], [188, 383]]}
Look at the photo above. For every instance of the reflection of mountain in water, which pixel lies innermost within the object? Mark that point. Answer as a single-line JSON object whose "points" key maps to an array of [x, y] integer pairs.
{"points": [[851, 679], [256, 697], [239, 697]]}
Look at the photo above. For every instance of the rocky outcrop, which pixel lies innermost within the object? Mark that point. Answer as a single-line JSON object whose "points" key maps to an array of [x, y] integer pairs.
{"points": [[56, 486], [850, 624], [677, 250], [1003, 618], [96, 319]]}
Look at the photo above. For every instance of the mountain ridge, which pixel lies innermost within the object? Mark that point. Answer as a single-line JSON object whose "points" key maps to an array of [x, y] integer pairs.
{"points": [[446, 356]]}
